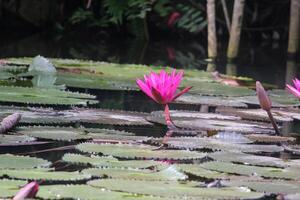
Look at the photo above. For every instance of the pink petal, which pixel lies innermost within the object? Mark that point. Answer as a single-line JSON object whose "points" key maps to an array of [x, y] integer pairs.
{"points": [[293, 90], [182, 92], [145, 88]]}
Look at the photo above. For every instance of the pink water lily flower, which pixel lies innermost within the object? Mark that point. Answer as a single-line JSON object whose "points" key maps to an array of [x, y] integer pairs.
{"points": [[162, 88], [294, 90]]}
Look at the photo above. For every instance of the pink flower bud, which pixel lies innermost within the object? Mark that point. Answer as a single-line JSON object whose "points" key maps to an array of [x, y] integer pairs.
{"points": [[263, 98], [27, 191]]}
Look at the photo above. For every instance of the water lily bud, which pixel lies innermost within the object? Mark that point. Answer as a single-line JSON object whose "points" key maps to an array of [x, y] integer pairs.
{"points": [[263, 98], [28, 191]]}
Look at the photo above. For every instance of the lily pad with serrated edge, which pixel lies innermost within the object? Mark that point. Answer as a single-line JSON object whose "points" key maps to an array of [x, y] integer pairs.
{"points": [[249, 159], [247, 170], [170, 173], [111, 162], [269, 139], [54, 133], [8, 188], [218, 89], [43, 96], [187, 190], [102, 75], [213, 122], [198, 143], [38, 174], [213, 101], [138, 151], [87, 192], [77, 115], [9, 161], [15, 140], [256, 114], [267, 186]]}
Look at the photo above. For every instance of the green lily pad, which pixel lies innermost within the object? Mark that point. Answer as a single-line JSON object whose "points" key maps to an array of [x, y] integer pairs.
{"points": [[198, 143], [43, 96], [54, 133], [214, 101], [174, 189], [170, 173], [251, 159], [111, 162], [9, 161], [86, 192], [11, 140], [267, 186], [267, 172], [8, 188], [138, 151], [38, 174], [76, 115]]}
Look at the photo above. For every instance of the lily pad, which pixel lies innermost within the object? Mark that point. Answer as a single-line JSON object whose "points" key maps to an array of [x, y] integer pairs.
{"points": [[250, 159], [43, 96], [256, 114], [76, 115], [213, 101], [138, 151], [267, 186], [267, 172], [264, 138], [213, 122], [8, 188], [9, 161], [38, 174], [170, 173], [54, 133], [86, 192], [15, 140], [111, 162], [174, 189], [198, 143]]}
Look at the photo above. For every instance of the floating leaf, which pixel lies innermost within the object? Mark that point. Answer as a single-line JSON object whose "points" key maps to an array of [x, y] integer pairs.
{"points": [[43, 96], [198, 143], [138, 151], [78, 115], [8, 188], [197, 170], [9, 161], [15, 140], [256, 114], [214, 101], [170, 189], [267, 186], [264, 138], [86, 192], [110, 162], [170, 173], [218, 89], [54, 133], [267, 172], [250, 159], [38, 174], [212, 122]]}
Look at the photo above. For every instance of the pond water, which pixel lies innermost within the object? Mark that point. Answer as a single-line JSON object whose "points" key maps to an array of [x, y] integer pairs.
{"points": [[265, 62]]}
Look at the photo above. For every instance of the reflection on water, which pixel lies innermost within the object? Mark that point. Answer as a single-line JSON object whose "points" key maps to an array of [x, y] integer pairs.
{"points": [[256, 60]]}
